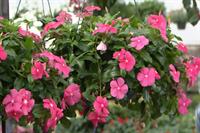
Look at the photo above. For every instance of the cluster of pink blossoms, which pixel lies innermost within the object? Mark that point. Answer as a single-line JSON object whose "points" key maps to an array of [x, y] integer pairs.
{"points": [[118, 88], [3, 54], [56, 114], [159, 22], [104, 28], [139, 42], [183, 102], [126, 59], [61, 19], [18, 103], [72, 95], [27, 33], [38, 70], [181, 47], [147, 76], [174, 73], [100, 112], [192, 70], [88, 11]]}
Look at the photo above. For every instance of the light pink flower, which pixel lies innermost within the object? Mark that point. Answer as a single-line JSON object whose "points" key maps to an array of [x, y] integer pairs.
{"points": [[27, 33], [159, 22], [102, 47], [92, 8], [64, 17], [3, 54], [27, 103], [104, 28], [139, 42], [182, 47], [174, 73], [72, 94], [146, 76], [38, 70], [118, 88], [1, 18], [183, 103], [101, 105], [96, 118], [126, 59]]}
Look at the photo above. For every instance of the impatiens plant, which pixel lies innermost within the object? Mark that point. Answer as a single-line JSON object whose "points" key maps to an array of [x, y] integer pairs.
{"points": [[92, 66]]}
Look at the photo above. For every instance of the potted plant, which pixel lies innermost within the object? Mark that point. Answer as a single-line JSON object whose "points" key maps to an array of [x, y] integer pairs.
{"points": [[179, 17]]}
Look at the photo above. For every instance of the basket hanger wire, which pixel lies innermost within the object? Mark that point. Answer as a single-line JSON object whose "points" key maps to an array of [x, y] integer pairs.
{"points": [[43, 8]]}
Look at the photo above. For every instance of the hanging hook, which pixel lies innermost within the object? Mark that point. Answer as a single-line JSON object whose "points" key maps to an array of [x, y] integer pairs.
{"points": [[43, 7], [50, 8], [18, 8]]}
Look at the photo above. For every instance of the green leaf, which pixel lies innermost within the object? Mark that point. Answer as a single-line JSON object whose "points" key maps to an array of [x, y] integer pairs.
{"points": [[19, 83], [28, 44], [65, 122], [146, 56]]}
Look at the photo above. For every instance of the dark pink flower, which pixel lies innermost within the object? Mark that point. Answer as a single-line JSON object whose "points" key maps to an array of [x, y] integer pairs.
{"points": [[64, 17], [126, 59], [192, 71], [118, 88], [139, 42], [62, 67], [146, 76], [104, 28], [49, 104], [92, 8], [56, 115], [18, 104], [159, 22], [96, 118], [38, 70], [174, 73], [72, 94], [157, 75], [51, 25], [3, 54], [182, 47], [101, 105], [27, 103], [183, 103]]}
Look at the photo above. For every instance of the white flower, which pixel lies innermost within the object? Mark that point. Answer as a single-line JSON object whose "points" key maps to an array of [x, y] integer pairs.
{"points": [[102, 47]]}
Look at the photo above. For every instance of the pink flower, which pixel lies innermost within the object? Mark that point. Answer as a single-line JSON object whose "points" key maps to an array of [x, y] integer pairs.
{"points": [[27, 103], [62, 67], [101, 105], [183, 103], [56, 115], [49, 104], [92, 8], [102, 47], [139, 42], [3, 54], [159, 22], [18, 104], [96, 118], [146, 76], [38, 70], [192, 70], [64, 17], [126, 59], [27, 33], [175, 74], [56, 62], [104, 28], [118, 88], [157, 75], [51, 25], [72, 94], [1, 18], [182, 47]]}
